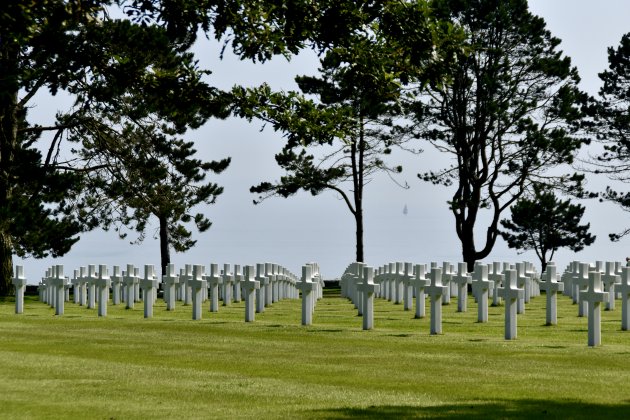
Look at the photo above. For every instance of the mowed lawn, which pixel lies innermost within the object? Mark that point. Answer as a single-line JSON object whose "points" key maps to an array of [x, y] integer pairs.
{"points": [[124, 366]]}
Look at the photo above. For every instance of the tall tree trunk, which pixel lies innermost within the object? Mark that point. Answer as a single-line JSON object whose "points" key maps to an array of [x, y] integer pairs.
{"points": [[6, 265], [358, 217], [465, 214], [9, 52], [469, 254], [358, 168], [165, 255]]}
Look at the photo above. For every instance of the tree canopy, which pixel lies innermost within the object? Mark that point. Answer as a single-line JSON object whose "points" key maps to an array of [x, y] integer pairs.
{"points": [[612, 127], [342, 124], [544, 223], [103, 63], [141, 170], [507, 110]]}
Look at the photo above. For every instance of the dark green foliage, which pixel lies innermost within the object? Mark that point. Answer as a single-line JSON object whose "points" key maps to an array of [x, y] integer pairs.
{"points": [[106, 65], [545, 223], [34, 54], [138, 166], [612, 126], [142, 171], [343, 123], [260, 29], [507, 110]]}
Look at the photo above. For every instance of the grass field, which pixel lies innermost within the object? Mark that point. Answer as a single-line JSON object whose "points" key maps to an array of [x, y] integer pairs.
{"points": [[124, 366]]}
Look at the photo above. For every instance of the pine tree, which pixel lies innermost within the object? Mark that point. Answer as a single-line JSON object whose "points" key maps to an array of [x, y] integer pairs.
{"points": [[545, 223]]}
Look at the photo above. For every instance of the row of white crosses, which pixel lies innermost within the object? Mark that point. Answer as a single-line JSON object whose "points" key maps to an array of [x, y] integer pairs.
{"points": [[311, 288], [270, 282], [575, 279], [399, 282], [261, 286], [590, 286], [482, 280], [54, 288], [396, 281]]}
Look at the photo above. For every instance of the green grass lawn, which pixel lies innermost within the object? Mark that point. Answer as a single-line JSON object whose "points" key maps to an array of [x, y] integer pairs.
{"points": [[124, 366]]}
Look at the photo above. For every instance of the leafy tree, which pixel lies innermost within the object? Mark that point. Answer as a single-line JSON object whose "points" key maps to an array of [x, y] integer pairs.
{"points": [[77, 47], [612, 126], [341, 125], [507, 111], [100, 61], [144, 171], [545, 223]]}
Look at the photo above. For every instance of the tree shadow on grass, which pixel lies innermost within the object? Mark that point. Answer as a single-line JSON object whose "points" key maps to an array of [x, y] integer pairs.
{"points": [[329, 330], [516, 409]]}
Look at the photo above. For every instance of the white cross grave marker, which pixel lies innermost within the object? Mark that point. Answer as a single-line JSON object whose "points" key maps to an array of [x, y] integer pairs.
{"points": [[358, 295], [19, 282], [213, 280], [594, 296], [275, 283], [385, 282], [102, 284], [91, 286], [47, 281], [238, 277], [271, 280], [393, 275], [130, 280], [497, 277], [447, 276], [368, 288], [260, 292], [522, 281], [624, 289], [170, 281], [609, 280], [576, 279], [461, 279], [566, 279], [532, 290], [306, 287], [197, 285], [511, 294], [481, 286], [551, 286], [407, 279], [59, 282], [398, 284], [419, 284], [149, 286], [184, 278], [228, 285], [117, 281], [47, 287], [75, 283], [82, 280], [249, 285], [435, 290], [581, 283]]}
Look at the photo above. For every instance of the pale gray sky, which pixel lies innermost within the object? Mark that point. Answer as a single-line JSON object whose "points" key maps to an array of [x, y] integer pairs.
{"points": [[305, 228]]}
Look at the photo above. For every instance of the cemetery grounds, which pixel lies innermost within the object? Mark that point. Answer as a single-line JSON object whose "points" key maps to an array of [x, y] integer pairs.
{"points": [[124, 366]]}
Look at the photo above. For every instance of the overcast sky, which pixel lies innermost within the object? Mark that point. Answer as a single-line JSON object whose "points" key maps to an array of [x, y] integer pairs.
{"points": [[321, 229]]}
